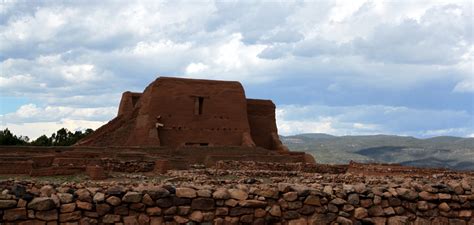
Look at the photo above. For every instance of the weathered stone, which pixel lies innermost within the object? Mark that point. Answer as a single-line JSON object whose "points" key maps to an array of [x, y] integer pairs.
{"points": [[389, 211], [444, 196], [252, 203], [222, 211], [238, 194], [153, 211], [306, 210], [312, 200], [353, 199], [465, 213], [130, 220], [65, 197], [121, 210], [110, 218], [15, 214], [170, 211], [376, 211], [366, 203], [421, 221], [84, 195], [360, 188], [397, 220], [102, 209], [407, 194], [165, 202], [246, 219], [275, 210], [295, 205], [99, 197], [70, 207], [325, 218], [47, 215], [328, 190], [422, 205], [196, 216], [113, 200], [300, 221], [290, 196], [202, 203], [333, 208], [347, 208], [343, 221], [5, 204], [139, 207], [84, 205], [204, 193], [268, 192], [66, 217], [42, 204], [238, 211], [428, 196], [143, 219], [360, 213], [444, 207], [47, 191], [132, 197], [338, 201], [392, 201], [157, 192], [147, 200], [185, 192], [221, 193], [231, 202], [290, 214], [180, 219]]}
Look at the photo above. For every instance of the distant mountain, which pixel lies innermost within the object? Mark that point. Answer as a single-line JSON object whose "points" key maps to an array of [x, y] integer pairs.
{"points": [[443, 151]]}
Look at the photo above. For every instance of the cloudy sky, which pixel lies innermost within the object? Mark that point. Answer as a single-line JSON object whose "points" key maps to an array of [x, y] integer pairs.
{"points": [[338, 67]]}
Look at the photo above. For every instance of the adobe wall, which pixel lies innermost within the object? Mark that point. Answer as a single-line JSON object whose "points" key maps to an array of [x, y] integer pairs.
{"points": [[128, 102], [342, 203], [261, 116]]}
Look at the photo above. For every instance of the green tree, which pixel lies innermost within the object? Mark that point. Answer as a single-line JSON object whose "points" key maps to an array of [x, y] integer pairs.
{"points": [[42, 140], [8, 138]]}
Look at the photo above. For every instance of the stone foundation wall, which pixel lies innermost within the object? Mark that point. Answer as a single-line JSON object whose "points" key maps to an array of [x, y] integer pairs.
{"points": [[282, 203]]}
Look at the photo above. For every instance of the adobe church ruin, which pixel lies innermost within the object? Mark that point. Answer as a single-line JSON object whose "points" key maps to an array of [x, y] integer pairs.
{"points": [[178, 112], [173, 124]]}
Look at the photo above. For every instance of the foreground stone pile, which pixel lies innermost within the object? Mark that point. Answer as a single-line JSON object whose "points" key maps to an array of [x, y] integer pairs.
{"points": [[402, 201]]}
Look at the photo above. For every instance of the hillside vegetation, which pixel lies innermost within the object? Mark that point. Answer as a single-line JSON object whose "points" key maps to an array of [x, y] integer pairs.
{"points": [[444, 151]]}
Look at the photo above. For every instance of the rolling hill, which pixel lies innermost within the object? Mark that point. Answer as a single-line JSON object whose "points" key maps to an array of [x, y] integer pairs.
{"points": [[444, 151]]}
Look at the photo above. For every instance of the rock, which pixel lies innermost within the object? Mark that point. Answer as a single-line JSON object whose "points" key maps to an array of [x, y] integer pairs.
{"points": [[444, 196], [204, 193], [389, 211], [300, 221], [180, 219], [221, 193], [422, 205], [157, 192], [22, 203], [65, 197], [360, 188], [326, 218], [147, 200], [444, 207], [115, 190], [360, 213], [84, 195], [202, 203], [84, 205], [353, 199], [5, 204], [15, 214], [397, 220], [42, 204], [275, 210], [69, 207], [465, 213], [102, 209], [185, 192], [132, 197], [259, 213], [121, 210], [343, 221], [222, 211], [290, 196], [165, 202], [66, 217], [295, 205], [338, 201], [307, 210], [47, 191], [290, 215], [238, 211], [170, 211], [153, 211], [428, 196], [252, 203], [312, 200], [328, 190], [376, 210], [19, 190], [196, 216], [231, 202], [130, 220], [407, 194], [348, 188], [366, 203], [99, 197], [246, 219], [268, 193], [110, 218], [113, 200], [347, 208], [49, 215], [238, 194]]}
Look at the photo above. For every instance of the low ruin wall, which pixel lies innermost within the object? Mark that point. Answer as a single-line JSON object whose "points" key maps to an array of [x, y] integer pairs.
{"points": [[358, 203]]}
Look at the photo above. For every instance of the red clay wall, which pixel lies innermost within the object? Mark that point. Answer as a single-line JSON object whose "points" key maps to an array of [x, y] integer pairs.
{"points": [[261, 115]]}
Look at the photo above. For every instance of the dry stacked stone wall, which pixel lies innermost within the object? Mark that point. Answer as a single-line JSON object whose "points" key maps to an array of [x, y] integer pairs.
{"points": [[280, 203]]}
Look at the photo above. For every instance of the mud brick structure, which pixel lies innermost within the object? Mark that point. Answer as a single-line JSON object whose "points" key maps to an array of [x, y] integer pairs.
{"points": [[173, 124]]}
